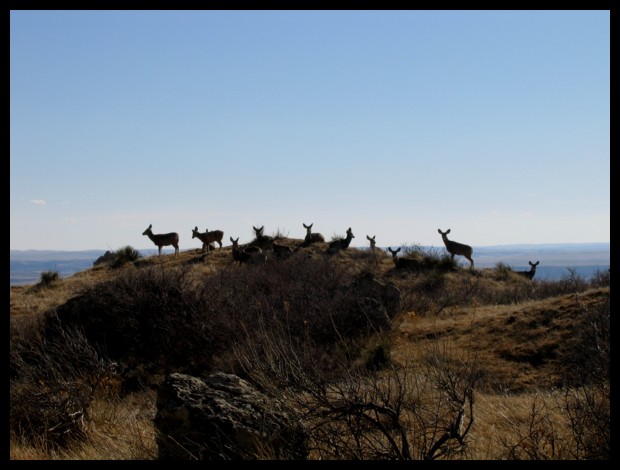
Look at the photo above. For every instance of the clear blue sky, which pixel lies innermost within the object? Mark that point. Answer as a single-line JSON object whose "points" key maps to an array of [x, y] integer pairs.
{"points": [[494, 124]]}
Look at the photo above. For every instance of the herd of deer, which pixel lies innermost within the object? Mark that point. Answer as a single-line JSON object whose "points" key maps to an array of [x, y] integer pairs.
{"points": [[256, 254]]}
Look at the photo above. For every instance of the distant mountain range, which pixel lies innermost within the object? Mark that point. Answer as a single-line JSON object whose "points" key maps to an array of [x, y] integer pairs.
{"points": [[555, 260]]}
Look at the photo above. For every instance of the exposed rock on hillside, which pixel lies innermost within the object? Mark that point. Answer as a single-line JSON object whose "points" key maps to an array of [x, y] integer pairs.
{"points": [[223, 417], [107, 258]]}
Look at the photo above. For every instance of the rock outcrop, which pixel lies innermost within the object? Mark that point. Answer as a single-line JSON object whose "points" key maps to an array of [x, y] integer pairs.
{"points": [[224, 417], [108, 258]]}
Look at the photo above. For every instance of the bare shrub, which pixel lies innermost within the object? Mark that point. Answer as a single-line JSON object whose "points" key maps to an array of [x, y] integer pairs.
{"points": [[363, 414], [589, 414], [586, 356], [146, 319], [502, 271], [152, 320], [600, 278], [569, 283], [586, 360], [53, 382], [538, 439]]}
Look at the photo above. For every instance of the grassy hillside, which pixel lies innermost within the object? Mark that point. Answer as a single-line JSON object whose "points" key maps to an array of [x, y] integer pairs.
{"points": [[474, 364]]}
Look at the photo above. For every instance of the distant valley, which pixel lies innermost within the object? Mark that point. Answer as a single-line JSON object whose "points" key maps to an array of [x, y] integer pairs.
{"points": [[555, 260]]}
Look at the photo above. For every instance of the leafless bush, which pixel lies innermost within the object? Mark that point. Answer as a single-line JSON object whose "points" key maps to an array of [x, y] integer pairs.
{"points": [[570, 283], [587, 375], [589, 413], [586, 356], [585, 436], [152, 320], [363, 414], [600, 278], [53, 383], [537, 440], [433, 293]]}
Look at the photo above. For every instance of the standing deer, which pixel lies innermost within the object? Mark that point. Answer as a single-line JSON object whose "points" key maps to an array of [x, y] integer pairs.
{"points": [[208, 237], [312, 237], [372, 242], [163, 239], [531, 273], [341, 243], [455, 248], [248, 254], [404, 263]]}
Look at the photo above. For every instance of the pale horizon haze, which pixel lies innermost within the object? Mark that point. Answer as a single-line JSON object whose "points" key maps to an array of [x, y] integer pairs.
{"points": [[494, 124]]}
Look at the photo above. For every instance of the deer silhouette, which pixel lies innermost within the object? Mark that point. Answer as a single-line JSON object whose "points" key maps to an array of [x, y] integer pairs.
{"points": [[455, 248]]}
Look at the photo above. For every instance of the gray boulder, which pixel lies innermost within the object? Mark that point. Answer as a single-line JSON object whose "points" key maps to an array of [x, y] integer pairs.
{"points": [[223, 417], [107, 258]]}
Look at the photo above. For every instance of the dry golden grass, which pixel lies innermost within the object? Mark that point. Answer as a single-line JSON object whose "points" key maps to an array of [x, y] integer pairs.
{"points": [[506, 342], [504, 420], [513, 344], [119, 429], [507, 339]]}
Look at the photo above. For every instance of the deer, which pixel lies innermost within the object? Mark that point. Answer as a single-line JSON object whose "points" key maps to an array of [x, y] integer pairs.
{"points": [[531, 273], [312, 237], [261, 239], [372, 241], [249, 254], [404, 263], [163, 239], [340, 243], [207, 238], [455, 248], [259, 233]]}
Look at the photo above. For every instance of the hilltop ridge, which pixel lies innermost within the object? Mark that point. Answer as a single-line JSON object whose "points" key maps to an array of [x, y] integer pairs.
{"points": [[27, 265]]}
